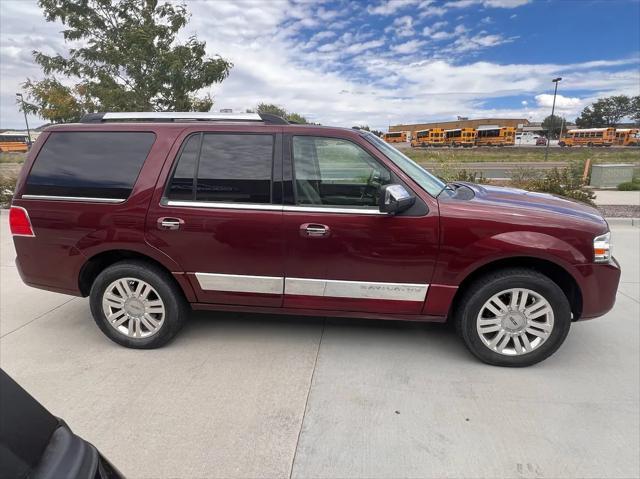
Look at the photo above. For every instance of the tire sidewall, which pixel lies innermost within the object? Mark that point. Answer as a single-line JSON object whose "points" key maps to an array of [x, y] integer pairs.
{"points": [[541, 285], [174, 304]]}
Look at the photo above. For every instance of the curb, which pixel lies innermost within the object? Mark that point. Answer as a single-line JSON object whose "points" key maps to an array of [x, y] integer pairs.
{"points": [[623, 221]]}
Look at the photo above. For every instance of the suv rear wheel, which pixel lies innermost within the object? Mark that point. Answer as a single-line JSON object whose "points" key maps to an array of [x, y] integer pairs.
{"points": [[137, 304], [514, 317]]}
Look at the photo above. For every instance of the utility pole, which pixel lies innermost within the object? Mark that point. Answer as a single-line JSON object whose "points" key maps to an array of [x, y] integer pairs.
{"points": [[21, 99], [553, 108]]}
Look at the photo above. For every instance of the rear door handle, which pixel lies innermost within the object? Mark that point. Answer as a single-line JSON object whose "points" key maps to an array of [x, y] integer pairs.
{"points": [[314, 230], [170, 223]]}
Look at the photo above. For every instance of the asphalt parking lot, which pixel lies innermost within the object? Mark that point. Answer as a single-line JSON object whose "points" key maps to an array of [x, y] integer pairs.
{"points": [[249, 396]]}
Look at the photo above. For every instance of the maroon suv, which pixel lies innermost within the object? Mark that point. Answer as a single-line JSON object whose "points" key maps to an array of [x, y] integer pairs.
{"points": [[153, 214]]}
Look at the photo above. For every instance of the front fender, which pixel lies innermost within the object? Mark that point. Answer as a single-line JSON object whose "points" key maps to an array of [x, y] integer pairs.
{"points": [[514, 244]]}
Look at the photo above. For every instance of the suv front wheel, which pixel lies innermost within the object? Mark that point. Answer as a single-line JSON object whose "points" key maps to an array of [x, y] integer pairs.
{"points": [[514, 317], [137, 304]]}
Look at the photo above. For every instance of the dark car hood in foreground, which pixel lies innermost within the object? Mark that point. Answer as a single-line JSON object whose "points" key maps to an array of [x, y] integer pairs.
{"points": [[540, 202]]}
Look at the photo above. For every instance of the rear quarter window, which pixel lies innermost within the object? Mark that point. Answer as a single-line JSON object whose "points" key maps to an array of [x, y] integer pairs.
{"points": [[101, 164]]}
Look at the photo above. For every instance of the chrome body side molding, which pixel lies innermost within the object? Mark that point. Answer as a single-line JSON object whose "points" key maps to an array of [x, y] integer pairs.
{"points": [[73, 198], [240, 283], [355, 289], [329, 288]]}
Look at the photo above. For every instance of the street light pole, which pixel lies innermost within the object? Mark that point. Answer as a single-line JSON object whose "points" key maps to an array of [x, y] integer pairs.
{"points": [[553, 108], [21, 98]]}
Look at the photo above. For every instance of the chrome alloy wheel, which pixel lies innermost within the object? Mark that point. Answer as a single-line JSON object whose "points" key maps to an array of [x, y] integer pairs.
{"points": [[515, 321], [133, 308]]}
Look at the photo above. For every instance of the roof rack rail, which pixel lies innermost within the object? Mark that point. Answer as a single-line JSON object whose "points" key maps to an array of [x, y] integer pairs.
{"points": [[165, 116]]}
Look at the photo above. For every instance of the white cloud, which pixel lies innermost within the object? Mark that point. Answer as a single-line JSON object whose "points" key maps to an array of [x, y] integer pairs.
{"points": [[562, 102], [487, 3], [403, 26], [482, 40], [388, 7], [325, 35], [428, 8], [524, 102], [431, 11], [364, 46], [433, 28], [505, 3], [442, 35], [408, 47], [344, 79], [326, 15]]}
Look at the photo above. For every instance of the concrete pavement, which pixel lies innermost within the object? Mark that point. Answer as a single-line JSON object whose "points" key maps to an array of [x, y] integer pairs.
{"points": [[615, 197], [251, 396]]}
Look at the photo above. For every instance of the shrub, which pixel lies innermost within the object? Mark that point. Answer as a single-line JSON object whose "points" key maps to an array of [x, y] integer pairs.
{"points": [[630, 185], [566, 182], [12, 157], [448, 174], [7, 187]]}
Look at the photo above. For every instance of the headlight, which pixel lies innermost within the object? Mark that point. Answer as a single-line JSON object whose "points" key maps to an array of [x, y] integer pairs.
{"points": [[602, 248]]}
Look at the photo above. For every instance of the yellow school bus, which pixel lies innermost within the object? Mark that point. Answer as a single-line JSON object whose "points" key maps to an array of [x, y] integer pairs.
{"points": [[395, 137], [12, 142], [628, 137], [429, 137], [460, 137], [589, 137], [496, 136]]}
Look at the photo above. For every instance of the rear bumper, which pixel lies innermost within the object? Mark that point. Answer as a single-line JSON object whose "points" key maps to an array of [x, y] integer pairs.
{"points": [[599, 286]]}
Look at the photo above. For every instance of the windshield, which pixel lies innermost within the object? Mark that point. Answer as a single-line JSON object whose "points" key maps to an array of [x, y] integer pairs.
{"points": [[426, 180]]}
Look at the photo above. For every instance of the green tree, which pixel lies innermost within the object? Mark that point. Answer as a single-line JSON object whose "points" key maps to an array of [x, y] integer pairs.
{"points": [[634, 110], [607, 111], [616, 108], [129, 60], [296, 118], [589, 118], [279, 111], [553, 124]]}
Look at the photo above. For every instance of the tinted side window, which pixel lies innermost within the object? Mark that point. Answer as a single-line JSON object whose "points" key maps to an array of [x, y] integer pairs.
{"points": [[231, 168], [101, 164], [336, 172], [182, 184]]}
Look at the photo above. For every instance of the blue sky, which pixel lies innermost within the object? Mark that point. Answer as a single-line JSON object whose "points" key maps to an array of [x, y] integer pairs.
{"points": [[385, 62]]}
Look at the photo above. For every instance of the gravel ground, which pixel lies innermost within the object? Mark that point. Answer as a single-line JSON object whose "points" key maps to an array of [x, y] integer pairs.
{"points": [[620, 211]]}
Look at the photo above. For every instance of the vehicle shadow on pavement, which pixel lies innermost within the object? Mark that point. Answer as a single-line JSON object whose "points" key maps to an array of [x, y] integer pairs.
{"points": [[431, 339]]}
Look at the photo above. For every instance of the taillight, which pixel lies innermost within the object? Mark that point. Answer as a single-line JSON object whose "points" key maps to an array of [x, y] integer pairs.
{"points": [[19, 222]]}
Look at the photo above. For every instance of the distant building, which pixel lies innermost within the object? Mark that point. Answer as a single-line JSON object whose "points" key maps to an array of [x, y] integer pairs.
{"points": [[461, 123], [534, 128]]}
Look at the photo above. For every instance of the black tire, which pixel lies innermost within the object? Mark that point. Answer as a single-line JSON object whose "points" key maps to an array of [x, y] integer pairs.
{"points": [[469, 305], [176, 307]]}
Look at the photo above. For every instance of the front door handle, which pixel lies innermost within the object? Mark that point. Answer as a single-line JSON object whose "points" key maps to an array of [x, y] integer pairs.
{"points": [[170, 223], [314, 230]]}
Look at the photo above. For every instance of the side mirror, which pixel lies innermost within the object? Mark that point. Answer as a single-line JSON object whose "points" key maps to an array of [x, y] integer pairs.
{"points": [[395, 199]]}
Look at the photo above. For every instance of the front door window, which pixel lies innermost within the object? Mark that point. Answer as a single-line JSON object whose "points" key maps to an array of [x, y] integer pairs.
{"points": [[336, 173]]}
